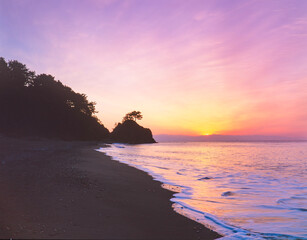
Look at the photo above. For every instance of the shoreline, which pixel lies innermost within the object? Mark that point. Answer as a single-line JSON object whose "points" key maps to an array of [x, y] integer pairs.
{"points": [[205, 219], [57, 189], [216, 203]]}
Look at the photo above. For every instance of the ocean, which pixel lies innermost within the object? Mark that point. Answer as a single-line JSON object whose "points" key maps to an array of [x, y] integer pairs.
{"points": [[242, 190]]}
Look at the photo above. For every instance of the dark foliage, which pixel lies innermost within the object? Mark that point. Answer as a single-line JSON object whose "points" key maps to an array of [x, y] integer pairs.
{"points": [[134, 115], [38, 105], [131, 132]]}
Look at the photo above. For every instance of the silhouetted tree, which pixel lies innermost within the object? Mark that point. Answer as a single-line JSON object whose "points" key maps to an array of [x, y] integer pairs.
{"points": [[134, 115], [39, 105]]}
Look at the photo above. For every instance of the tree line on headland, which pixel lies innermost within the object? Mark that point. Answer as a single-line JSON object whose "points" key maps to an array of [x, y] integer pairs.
{"points": [[39, 105]]}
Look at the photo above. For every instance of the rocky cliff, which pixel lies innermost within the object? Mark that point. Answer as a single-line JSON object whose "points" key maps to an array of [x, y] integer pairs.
{"points": [[131, 132]]}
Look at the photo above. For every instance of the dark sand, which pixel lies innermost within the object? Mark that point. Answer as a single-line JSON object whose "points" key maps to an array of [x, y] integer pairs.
{"points": [[54, 189]]}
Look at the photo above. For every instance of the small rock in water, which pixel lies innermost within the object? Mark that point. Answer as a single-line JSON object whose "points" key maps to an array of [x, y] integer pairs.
{"points": [[228, 193], [205, 178]]}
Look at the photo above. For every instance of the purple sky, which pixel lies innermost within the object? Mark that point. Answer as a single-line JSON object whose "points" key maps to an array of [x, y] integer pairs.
{"points": [[191, 67]]}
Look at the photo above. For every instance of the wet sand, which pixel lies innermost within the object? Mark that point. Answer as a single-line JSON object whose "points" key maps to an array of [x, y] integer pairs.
{"points": [[57, 189]]}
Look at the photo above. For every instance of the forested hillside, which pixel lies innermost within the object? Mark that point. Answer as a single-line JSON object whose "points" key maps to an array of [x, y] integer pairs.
{"points": [[39, 105]]}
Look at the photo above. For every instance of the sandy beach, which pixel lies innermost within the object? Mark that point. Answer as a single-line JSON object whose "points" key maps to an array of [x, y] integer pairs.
{"points": [[57, 189]]}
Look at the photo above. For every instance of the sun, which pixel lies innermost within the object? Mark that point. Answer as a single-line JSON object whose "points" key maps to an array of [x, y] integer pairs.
{"points": [[206, 134]]}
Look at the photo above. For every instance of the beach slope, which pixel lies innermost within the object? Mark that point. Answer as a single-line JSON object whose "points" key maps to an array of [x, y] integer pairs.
{"points": [[57, 189]]}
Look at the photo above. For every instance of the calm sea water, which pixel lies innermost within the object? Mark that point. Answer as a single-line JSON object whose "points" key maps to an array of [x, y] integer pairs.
{"points": [[241, 190]]}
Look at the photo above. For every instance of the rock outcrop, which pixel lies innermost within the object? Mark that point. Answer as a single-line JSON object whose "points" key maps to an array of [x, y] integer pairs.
{"points": [[132, 133]]}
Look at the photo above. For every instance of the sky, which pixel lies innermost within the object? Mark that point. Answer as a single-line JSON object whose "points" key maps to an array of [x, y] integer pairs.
{"points": [[191, 67]]}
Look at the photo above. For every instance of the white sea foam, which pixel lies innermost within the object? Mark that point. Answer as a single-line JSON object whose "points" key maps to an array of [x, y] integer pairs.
{"points": [[241, 190]]}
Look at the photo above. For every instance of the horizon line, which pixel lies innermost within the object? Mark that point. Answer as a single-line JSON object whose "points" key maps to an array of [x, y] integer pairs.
{"points": [[222, 137]]}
